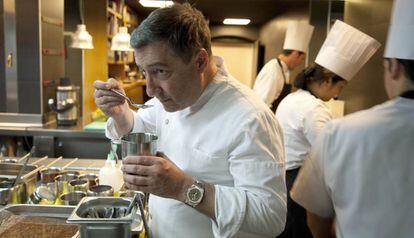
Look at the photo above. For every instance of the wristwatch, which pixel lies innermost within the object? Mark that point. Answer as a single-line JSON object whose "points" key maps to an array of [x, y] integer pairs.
{"points": [[194, 194]]}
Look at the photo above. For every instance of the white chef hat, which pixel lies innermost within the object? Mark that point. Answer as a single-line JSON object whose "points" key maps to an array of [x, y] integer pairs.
{"points": [[298, 35], [400, 42], [346, 50]]}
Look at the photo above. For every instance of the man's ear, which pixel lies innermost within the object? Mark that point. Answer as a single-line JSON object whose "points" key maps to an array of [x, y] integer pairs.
{"points": [[202, 60], [394, 68]]}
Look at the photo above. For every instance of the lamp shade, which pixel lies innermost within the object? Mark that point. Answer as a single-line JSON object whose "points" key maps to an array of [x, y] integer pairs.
{"points": [[81, 39], [121, 41]]}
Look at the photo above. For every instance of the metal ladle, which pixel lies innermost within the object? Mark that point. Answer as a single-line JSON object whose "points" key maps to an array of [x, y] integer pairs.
{"points": [[130, 101]]}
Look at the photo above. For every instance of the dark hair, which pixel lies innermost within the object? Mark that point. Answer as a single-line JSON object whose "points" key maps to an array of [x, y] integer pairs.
{"points": [[408, 68], [288, 52], [183, 27], [315, 73]]}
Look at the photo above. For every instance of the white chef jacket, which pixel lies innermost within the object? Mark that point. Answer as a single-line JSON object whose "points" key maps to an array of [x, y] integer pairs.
{"points": [[269, 82], [228, 138], [361, 172], [302, 116]]}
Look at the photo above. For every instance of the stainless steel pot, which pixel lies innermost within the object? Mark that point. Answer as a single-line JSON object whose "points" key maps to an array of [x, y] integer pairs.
{"points": [[139, 144], [92, 178], [10, 194], [79, 185], [62, 182], [48, 175], [9, 171], [71, 198], [101, 191]]}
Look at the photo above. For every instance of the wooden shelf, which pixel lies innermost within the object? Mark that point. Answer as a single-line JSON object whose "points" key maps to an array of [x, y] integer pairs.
{"points": [[119, 62], [111, 11]]}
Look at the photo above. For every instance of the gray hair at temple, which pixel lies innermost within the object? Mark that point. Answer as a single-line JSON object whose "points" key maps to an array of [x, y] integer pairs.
{"points": [[183, 27]]}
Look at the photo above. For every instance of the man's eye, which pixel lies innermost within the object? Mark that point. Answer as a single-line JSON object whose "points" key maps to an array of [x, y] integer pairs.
{"points": [[160, 71]]}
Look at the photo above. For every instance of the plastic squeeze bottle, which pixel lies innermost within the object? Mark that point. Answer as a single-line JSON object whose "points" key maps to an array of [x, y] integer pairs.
{"points": [[111, 174]]}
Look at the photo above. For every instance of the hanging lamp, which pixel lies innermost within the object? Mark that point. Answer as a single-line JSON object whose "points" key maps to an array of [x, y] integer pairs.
{"points": [[121, 40], [81, 39]]}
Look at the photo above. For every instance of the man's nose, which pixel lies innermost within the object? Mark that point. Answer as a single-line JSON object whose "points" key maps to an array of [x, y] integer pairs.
{"points": [[152, 87]]}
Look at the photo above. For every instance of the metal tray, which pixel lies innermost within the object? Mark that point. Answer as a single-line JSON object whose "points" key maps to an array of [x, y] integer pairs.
{"points": [[51, 211]]}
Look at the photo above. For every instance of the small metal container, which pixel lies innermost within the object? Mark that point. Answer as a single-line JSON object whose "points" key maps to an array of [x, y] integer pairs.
{"points": [[29, 177], [92, 178], [104, 227], [12, 195], [139, 144], [79, 185], [71, 198], [101, 191], [43, 195], [48, 175], [62, 182]]}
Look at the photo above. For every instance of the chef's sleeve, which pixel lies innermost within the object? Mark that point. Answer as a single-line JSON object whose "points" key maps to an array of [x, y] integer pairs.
{"points": [[310, 189], [266, 85], [314, 122], [256, 204], [144, 121]]}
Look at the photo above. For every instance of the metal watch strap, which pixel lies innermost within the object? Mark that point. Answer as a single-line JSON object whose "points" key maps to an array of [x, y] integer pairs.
{"points": [[197, 185]]}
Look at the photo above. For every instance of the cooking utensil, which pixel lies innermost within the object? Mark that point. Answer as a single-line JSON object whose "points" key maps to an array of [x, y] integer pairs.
{"points": [[144, 219], [43, 195], [40, 160], [70, 163], [79, 185], [91, 214], [61, 182], [54, 161], [72, 198], [26, 157], [101, 191], [139, 144], [48, 175], [92, 178], [130, 101]]}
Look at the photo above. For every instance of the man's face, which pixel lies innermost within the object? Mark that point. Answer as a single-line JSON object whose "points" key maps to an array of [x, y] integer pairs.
{"points": [[297, 59], [173, 82]]}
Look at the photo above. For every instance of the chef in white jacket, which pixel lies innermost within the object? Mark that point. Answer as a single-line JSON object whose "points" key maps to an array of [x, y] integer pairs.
{"points": [[272, 83], [360, 175], [303, 114], [220, 167]]}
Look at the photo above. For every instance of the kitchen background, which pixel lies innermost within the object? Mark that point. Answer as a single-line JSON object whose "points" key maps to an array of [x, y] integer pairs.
{"points": [[35, 46]]}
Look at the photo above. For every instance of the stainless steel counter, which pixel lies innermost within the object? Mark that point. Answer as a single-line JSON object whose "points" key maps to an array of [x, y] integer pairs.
{"points": [[67, 141], [52, 129]]}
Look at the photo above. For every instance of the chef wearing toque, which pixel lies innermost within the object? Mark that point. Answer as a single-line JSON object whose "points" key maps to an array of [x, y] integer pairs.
{"points": [[303, 114], [360, 174], [272, 83]]}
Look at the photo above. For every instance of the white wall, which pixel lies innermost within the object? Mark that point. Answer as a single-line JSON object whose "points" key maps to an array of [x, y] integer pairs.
{"points": [[240, 59]]}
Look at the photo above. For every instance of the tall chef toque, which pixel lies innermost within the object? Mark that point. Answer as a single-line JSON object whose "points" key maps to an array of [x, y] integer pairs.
{"points": [[400, 42], [346, 50], [298, 35]]}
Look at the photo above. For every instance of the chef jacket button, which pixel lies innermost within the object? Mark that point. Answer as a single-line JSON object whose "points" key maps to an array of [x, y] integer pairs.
{"points": [[167, 121]]}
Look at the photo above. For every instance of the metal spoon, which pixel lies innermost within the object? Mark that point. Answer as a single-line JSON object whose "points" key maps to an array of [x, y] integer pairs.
{"points": [[130, 101]]}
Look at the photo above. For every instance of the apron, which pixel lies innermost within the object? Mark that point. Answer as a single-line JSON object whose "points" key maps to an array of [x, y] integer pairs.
{"points": [[408, 94], [285, 91]]}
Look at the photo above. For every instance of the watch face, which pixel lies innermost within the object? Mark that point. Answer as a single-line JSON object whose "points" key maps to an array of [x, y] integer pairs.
{"points": [[194, 195]]}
